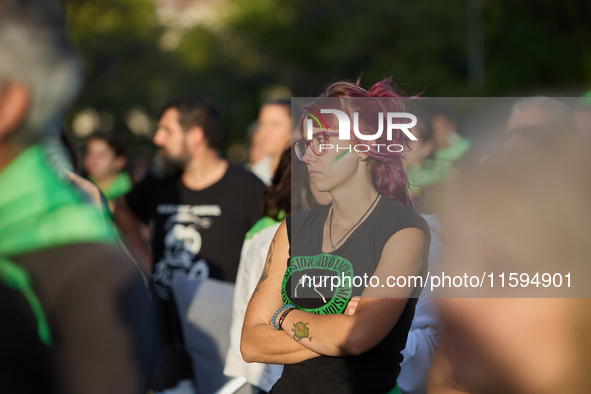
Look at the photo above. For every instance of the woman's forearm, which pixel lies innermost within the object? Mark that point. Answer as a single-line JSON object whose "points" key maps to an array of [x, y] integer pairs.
{"points": [[343, 334], [263, 343], [330, 335]]}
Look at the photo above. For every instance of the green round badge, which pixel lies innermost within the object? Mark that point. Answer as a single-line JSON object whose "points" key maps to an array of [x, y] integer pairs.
{"points": [[306, 265]]}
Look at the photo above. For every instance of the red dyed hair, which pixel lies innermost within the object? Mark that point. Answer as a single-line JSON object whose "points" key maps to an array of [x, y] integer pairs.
{"points": [[387, 168]]}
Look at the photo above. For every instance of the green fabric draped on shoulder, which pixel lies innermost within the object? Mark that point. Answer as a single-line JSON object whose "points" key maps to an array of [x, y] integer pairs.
{"points": [[455, 151], [40, 210], [263, 223], [120, 186], [15, 277]]}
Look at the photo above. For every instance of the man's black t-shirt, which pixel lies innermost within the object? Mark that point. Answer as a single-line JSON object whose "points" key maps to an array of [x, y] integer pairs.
{"points": [[376, 370], [195, 234], [198, 234]]}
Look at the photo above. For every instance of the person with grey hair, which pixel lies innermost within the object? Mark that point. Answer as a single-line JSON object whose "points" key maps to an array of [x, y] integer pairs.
{"points": [[86, 300], [541, 111], [39, 56]]}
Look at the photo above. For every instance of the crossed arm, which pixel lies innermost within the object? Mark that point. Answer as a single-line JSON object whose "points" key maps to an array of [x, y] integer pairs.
{"points": [[332, 335]]}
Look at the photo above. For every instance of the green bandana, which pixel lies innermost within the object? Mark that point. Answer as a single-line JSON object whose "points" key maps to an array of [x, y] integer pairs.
{"points": [[120, 186], [40, 210]]}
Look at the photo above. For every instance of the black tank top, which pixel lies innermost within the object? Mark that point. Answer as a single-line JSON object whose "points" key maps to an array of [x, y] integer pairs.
{"points": [[376, 370]]}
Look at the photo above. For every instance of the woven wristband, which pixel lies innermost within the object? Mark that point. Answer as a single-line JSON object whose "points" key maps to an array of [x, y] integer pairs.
{"points": [[279, 312], [283, 316]]}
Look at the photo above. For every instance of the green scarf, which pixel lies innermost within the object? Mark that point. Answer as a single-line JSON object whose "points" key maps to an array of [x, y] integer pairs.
{"points": [[121, 185], [15, 277], [455, 151], [39, 209], [263, 223]]}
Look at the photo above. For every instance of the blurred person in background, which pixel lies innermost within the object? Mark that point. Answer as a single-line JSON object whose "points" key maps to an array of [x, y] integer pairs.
{"points": [[200, 207], [582, 114], [450, 146], [271, 138], [427, 328], [277, 204], [255, 151], [423, 171], [541, 111], [104, 163], [91, 312], [525, 210], [537, 120]]}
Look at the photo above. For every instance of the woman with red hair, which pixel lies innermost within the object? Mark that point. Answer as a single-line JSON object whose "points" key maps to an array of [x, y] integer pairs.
{"points": [[326, 305]]}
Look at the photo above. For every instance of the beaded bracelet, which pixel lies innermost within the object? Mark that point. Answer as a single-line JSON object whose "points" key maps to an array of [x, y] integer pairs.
{"points": [[282, 309]]}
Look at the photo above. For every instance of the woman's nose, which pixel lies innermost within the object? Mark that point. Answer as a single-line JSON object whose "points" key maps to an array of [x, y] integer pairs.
{"points": [[309, 156]]}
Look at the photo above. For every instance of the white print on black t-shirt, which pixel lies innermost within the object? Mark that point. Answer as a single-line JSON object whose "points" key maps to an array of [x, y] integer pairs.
{"points": [[302, 282], [203, 210], [182, 242]]}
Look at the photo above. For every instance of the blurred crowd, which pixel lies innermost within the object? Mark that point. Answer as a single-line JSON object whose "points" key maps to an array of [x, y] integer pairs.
{"points": [[132, 279]]}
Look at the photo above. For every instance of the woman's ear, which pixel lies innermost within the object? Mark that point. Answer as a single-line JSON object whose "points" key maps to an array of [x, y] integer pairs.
{"points": [[362, 156]]}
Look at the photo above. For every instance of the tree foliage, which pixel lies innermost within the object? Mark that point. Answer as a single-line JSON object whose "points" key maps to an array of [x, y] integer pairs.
{"points": [[541, 46]]}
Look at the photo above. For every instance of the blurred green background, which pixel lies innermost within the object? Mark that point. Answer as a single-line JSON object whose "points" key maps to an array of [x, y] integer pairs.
{"points": [[138, 53]]}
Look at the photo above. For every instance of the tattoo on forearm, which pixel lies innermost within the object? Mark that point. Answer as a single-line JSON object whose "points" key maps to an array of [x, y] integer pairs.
{"points": [[265, 273], [301, 331]]}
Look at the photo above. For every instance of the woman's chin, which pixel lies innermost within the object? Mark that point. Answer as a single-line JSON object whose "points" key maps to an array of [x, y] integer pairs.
{"points": [[320, 186]]}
